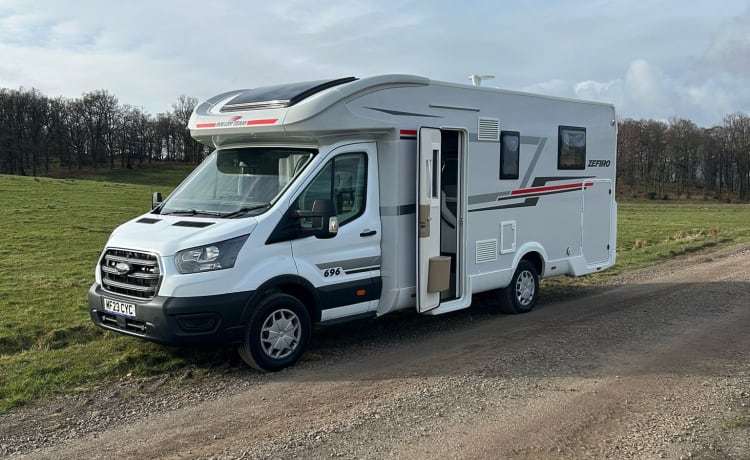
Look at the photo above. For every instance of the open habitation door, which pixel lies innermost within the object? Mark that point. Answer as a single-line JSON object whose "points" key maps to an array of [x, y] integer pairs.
{"points": [[433, 271]]}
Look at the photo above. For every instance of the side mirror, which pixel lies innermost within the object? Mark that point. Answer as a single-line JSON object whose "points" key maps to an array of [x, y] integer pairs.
{"points": [[325, 221], [155, 200]]}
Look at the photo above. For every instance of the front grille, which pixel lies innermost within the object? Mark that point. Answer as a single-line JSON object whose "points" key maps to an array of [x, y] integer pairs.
{"points": [[130, 273]]}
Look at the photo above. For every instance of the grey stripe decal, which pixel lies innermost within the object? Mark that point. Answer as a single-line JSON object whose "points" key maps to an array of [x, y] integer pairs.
{"points": [[537, 154], [362, 270], [403, 114], [489, 197], [454, 107], [401, 210], [528, 202], [370, 263], [539, 181], [533, 140]]}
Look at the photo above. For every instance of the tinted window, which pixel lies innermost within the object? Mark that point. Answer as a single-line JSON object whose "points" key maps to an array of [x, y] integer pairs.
{"points": [[343, 180], [571, 148], [510, 151]]}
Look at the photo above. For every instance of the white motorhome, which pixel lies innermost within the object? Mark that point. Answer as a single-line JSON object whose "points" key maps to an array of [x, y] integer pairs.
{"points": [[332, 200]]}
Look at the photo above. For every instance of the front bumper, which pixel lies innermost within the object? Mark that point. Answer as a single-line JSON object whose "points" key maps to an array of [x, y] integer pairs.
{"points": [[215, 319]]}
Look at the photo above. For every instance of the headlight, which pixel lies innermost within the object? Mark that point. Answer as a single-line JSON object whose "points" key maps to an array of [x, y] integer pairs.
{"points": [[217, 256]]}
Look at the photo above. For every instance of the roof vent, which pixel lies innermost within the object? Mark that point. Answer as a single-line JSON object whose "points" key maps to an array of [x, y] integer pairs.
{"points": [[488, 129]]}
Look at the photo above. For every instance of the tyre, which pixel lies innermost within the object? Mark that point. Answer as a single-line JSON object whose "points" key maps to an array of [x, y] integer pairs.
{"points": [[277, 333], [523, 291]]}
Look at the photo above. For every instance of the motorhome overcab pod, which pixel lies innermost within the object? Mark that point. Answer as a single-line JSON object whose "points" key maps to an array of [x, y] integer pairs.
{"points": [[332, 200]]}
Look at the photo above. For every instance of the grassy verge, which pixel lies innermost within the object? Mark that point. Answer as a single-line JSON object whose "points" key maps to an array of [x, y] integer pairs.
{"points": [[54, 229], [649, 232], [157, 176]]}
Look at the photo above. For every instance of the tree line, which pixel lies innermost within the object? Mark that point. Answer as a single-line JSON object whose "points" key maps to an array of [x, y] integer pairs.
{"points": [[39, 134], [656, 158]]}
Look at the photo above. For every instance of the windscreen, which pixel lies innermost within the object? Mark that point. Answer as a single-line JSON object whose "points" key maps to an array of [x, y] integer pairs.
{"points": [[238, 181]]}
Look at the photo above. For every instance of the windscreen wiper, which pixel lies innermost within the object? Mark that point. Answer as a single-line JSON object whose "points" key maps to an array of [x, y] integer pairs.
{"points": [[244, 210], [192, 212]]}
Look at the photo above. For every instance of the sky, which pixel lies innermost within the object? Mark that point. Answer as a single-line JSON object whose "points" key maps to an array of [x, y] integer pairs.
{"points": [[653, 59]]}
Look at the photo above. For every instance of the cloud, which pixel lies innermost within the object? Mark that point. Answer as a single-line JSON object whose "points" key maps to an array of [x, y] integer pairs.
{"points": [[731, 46], [70, 73], [718, 96], [611, 91], [317, 18], [645, 87], [18, 28], [645, 91]]}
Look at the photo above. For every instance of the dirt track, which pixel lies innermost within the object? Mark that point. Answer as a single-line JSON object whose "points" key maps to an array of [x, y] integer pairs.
{"points": [[656, 367]]}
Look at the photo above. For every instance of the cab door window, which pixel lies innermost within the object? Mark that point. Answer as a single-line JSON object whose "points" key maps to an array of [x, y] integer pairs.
{"points": [[344, 181]]}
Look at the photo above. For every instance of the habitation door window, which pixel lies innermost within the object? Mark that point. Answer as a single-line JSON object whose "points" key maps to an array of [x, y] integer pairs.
{"points": [[571, 147]]}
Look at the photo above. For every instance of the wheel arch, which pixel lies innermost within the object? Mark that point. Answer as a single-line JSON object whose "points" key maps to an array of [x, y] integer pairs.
{"points": [[536, 260], [292, 285], [535, 254]]}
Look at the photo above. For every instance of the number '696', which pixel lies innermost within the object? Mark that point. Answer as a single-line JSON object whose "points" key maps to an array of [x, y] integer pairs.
{"points": [[332, 272]]}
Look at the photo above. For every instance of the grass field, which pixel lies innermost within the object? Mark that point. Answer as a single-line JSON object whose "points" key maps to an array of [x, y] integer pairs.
{"points": [[54, 229]]}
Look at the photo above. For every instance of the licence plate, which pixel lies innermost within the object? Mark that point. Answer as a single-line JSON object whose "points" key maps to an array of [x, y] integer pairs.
{"points": [[119, 308]]}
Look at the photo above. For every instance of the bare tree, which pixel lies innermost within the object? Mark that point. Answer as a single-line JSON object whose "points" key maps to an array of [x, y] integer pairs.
{"points": [[738, 131], [628, 149], [684, 144], [656, 164], [99, 111]]}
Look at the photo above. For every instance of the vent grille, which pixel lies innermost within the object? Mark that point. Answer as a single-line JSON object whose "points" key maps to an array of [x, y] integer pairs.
{"points": [[486, 251], [189, 223], [265, 105], [148, 220], [488, 129], [130, 273]]}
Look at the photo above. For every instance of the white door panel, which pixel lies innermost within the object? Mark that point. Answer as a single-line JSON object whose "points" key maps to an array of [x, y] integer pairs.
{"points": [[597, 205], [428, 214]]}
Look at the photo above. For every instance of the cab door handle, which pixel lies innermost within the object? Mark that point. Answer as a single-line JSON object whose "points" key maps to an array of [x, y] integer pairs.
{"points": [[367, 233]]}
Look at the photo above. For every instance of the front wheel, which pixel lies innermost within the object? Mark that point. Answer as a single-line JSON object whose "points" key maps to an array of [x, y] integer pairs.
{"points": [[523, 291], [277, 333]]}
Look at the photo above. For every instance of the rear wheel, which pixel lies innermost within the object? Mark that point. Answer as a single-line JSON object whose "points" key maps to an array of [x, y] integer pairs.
{"points": [[523, 291], [277, 333]]}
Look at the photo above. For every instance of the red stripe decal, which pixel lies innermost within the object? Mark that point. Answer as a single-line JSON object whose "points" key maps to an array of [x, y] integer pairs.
{"points": [[551, 188], [267, 121], [408, 132], [205, 125]]}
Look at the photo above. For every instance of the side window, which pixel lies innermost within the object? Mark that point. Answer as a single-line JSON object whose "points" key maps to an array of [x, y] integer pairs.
{"points": [[571, 148], [510, 152], [344, 181]]}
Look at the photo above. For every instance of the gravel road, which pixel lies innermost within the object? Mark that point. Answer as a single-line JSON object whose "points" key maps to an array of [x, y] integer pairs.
{"points": [[656, 365]]}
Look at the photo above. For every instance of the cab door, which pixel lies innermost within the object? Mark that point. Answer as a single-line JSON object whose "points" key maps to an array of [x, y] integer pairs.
{"points": [[345, 269], [429, 261]]}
